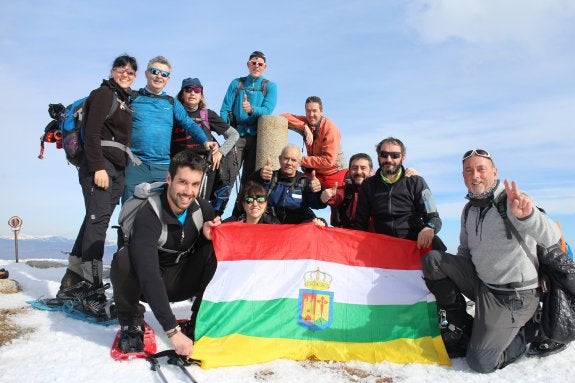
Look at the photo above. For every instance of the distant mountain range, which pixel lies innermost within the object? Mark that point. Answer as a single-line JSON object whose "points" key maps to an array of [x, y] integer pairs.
{"points": [[46, 247]]}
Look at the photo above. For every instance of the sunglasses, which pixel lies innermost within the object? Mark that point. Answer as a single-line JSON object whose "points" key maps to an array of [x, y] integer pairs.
{"points": [[195, 89], [394, 155], [156, 71], [122, 70], [257, 63], [258, 199], [476, 152]]}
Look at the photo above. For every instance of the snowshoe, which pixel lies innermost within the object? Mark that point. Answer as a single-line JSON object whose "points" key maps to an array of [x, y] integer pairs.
{"points": [[149, 344]]}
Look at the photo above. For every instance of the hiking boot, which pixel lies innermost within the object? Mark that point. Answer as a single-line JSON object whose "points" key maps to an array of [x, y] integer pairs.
{"points": [[545, 347], [75, 292], [97, 305], [69, 279], [455, 335], [131, 339], [455, 323]]}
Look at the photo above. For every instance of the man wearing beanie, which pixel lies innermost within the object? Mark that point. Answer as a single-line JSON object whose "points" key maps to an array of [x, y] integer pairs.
{"points": [[246, 99]]}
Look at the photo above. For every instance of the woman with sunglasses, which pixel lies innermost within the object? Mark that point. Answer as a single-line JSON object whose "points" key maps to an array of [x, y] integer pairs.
{"points": [[254, 203], [191, 95], [101, 176]]}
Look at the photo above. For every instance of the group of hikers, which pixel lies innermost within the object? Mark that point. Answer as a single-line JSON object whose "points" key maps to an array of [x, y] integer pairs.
{"points": [[168, 255]]}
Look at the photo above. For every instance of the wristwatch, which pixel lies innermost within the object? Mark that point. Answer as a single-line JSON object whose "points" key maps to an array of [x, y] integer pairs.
{"points": [[431, 225]]}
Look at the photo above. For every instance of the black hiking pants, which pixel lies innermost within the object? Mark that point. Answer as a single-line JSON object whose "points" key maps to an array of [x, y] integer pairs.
{"points": [[100, 205], [184, 280], [497, 337]]}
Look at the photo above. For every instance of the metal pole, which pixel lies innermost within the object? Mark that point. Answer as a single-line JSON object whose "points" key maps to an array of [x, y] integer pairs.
{"points": [[15, 223], [16, 244]]}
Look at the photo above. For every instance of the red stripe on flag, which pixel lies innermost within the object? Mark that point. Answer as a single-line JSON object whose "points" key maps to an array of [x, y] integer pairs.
{"points": [[239, 241]]}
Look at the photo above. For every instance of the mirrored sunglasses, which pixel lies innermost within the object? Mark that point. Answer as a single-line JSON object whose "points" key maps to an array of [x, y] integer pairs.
{"points": [[256, 63], [122, 70], [156, 71], [258, 199], [195, 89]]}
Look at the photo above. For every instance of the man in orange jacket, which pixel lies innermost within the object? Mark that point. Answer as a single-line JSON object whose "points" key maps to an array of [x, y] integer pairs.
{"points": [[323, 143]]}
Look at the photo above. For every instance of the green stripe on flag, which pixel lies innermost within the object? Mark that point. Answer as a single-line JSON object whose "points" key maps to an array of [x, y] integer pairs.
{"points": [[278, 318]]}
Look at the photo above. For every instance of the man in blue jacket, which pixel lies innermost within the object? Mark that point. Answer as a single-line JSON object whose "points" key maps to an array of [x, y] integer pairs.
{"points": [[246, 99], [155, 114]]}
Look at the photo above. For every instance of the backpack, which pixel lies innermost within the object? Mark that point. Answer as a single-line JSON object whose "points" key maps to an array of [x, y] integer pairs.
{"points": [[146, 192], [241, 85], [66, 130], [501, 206], [556, 275], [181, 140]]}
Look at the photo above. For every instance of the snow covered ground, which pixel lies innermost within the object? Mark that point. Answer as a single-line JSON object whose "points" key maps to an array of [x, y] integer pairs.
{"points": [[60, 349]]}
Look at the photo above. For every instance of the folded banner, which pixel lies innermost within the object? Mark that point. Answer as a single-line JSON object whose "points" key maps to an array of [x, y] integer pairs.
{"points": [[299, 291]]}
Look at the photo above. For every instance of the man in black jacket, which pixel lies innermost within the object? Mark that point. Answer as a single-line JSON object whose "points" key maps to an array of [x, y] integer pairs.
{"points": [[400, 206], [178, 270]]}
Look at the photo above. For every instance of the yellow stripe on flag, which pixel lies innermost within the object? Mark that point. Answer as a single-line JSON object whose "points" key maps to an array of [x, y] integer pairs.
{"points": [[239, 350]]}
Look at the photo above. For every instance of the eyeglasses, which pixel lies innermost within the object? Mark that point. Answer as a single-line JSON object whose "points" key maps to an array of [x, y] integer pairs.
{"points": [[394, 155], [195, 89], [256, 63], [156, 71], [258, 199], [122, 70], [476, 152]]}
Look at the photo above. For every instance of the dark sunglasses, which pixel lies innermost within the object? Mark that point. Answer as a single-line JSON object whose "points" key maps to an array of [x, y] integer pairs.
{"points": [[157, 71], [256, 63], [476, 152], [195, 89], [122, 70], [258, 199], [394, 155]]}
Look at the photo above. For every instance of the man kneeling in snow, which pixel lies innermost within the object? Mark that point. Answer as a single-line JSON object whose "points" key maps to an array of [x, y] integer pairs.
{"points": [[178, 270]]}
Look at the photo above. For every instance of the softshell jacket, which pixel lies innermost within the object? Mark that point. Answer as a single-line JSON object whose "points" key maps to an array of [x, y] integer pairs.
{"points": [[117, 127], [154, 119], [263, 105], [146, 259], [497, 259], [324, 155], [400, 209]]}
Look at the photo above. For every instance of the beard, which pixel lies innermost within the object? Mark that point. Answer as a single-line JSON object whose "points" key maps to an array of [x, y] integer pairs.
{"points": [[390, 169]]}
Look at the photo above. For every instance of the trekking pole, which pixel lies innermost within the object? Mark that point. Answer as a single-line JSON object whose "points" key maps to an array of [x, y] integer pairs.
{"points": [[179, 361], [155, 366], [204, 183]]}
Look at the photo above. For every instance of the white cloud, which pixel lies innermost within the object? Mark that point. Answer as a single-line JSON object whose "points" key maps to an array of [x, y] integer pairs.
{"points": [[530, 24]]}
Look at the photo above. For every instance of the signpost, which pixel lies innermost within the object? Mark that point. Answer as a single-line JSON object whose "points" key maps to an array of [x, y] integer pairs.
{"points": [[15, 223]]}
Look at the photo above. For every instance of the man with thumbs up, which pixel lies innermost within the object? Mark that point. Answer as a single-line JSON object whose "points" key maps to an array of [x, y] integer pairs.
{"points": [[246, 99], [291, 195]]}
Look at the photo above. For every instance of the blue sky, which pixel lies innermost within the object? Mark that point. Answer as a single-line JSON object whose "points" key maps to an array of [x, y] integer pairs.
{"points": [[443, 76]]}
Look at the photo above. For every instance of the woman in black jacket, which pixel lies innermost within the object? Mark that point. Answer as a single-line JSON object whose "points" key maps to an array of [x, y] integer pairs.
{"points": [[101, 176]]}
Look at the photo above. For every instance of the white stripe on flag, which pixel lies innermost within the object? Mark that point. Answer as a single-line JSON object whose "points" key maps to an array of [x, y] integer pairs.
{"points": [[265, 280]]}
